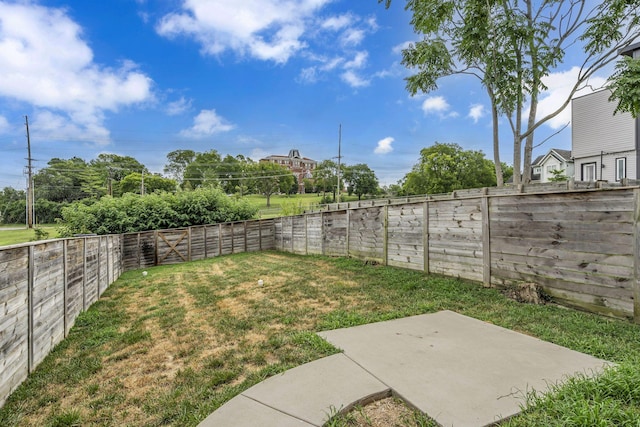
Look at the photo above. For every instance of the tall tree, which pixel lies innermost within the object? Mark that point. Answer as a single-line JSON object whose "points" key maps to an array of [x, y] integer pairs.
{"points": [[270, 178], [447, 167], [325, 177], [512, 46], [64, 181], [361, 180], [177, 162], [133, 183], [112, 168], [203, 170]]}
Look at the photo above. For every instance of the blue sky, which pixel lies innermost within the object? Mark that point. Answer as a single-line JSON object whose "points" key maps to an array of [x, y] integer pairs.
{"points": [[255, 77]]}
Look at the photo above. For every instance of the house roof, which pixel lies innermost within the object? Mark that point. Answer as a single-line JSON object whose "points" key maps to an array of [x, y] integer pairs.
{"points": [[562, 155], [628, 51]]}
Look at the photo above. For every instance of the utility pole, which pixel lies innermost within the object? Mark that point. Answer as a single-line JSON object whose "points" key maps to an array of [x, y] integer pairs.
{"points": [[30, 193], [339, 157]]}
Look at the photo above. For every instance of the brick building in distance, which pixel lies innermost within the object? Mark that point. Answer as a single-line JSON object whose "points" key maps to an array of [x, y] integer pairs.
{"points": [[301, 167]]}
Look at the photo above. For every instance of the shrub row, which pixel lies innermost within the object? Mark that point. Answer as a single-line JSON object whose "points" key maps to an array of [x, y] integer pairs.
{"points": [[132, 212]]}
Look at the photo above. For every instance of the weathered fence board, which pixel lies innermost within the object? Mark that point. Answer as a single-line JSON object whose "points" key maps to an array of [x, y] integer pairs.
{"points": [[572, 244], [47, 300], [367, 233], [405, 240], [286, 240], [299, 235], [314, 234], [334, 230], [197, 243], [455, 238], [92, 268], [14, 319]]}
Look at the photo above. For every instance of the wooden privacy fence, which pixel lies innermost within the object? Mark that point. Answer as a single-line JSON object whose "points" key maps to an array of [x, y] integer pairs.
{"points": [[160, 247], [581, 246], [43, 288]]}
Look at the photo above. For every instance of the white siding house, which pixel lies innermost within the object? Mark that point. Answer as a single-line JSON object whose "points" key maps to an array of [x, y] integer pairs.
{"points": [[555, 159], [604, 146]]}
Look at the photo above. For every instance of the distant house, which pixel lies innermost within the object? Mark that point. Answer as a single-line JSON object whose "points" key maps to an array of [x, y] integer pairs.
{"points": [[555, 160], [604, 146], [301, 167]]}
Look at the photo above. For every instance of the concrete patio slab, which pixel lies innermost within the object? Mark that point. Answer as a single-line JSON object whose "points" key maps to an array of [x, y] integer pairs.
{"points": [[244, 412], [310, 392], [303, 396], [459, 370]]}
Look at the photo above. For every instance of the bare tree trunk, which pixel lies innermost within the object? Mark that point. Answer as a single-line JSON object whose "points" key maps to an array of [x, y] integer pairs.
{"points": [[496, 140]]}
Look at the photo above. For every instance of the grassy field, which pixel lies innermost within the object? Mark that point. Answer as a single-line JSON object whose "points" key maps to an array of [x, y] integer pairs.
{"points": [[171, 347], [282, 205], [14, 234]]}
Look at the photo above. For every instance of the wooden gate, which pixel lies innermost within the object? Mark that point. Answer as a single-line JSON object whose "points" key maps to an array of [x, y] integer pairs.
{"points": [[173, 246]]}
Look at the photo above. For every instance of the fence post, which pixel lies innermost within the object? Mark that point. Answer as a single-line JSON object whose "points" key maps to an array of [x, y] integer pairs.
{"points": [[385, 235], [425, 236], [84, 274], [636, 256], [65, 280], [322, 232], [486, 241], [245, 236], [347, 243], [30, 283], [306, 235]]}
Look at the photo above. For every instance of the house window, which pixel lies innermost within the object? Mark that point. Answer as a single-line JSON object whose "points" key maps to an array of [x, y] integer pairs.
{"points": [[621, 168], [551, 168], [589, 171]]}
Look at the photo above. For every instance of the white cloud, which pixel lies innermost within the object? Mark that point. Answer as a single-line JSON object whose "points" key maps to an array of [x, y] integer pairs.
{"points": [[336, 23], [359, 61], [352, 37], [558, 88], [44, 61], [264, 29], [49, 125], [435, 104], [384, 146], [178, 107], [354, 80], [476, 112], [4, 124], [207, 123], [397, 49]]}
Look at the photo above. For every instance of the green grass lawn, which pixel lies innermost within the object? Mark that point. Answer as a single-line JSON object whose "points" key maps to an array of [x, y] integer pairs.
{"points": [[18, 233], [171, 347], [282, 205]]}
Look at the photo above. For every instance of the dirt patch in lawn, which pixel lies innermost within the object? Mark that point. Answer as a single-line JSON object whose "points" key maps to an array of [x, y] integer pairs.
{"points": [[388, 412]]}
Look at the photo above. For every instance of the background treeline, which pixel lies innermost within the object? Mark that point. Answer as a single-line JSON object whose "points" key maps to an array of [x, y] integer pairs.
{"points": [[86, 196]]}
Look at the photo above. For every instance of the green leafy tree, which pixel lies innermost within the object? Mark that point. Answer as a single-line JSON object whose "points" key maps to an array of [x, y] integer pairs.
{"points": [[447, 167], [12, 206], [361, 180], [132, 183], [64, 181], [325, 176], [270, 178], [203, 170], [558, 176], [512, 46], [177, 162], [625, 86], [109, 169]]}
